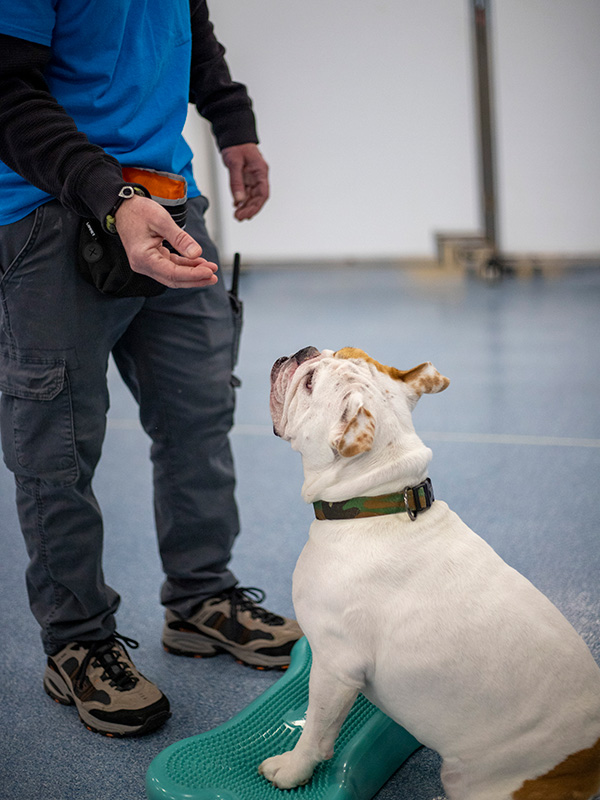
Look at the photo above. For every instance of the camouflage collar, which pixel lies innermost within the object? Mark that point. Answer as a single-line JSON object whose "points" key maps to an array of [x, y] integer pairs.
{"points": [[412, 500]]}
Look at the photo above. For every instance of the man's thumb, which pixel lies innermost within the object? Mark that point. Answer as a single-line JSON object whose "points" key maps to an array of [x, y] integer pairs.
{"points": [[236, 182], [193, 249], [182, 241]]}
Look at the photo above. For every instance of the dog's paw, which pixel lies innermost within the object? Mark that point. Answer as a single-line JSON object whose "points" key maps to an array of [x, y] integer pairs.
{"points": [[286, 771]]}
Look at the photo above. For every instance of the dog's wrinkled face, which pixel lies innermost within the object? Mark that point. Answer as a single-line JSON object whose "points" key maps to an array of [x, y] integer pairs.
{"points": [[282, 374], [328, 402]]}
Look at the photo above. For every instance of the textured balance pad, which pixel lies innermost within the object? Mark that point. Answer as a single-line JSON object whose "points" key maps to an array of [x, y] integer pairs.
{"points": [[222, 764]]}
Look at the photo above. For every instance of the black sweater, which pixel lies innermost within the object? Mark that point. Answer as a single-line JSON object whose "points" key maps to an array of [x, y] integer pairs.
{"points": [[41, 142]]}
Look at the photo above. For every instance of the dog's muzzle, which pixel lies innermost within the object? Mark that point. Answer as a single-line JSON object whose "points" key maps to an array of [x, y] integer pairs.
{"points": [[298, 358], [282, 372]]}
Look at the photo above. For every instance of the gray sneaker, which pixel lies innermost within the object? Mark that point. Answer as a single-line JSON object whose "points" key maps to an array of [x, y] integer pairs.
{"points": [[233, 622], [111, 696]]}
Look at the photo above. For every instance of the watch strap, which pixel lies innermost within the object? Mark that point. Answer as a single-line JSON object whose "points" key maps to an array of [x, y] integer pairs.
{"points": [[126, 192]]}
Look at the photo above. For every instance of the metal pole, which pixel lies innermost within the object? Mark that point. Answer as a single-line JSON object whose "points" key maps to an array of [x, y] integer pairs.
{"points": [[481, 19]]}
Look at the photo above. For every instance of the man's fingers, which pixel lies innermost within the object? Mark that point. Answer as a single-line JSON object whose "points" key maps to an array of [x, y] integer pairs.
{"points": [[236, 183], [187, 262], [176, 271], [192, 262], [256, 200], [248, 179], [257, 194], [177, 276], [250, 208]]}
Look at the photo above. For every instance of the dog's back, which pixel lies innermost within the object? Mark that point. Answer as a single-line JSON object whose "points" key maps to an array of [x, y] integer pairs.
{"points": [[457, 647]]}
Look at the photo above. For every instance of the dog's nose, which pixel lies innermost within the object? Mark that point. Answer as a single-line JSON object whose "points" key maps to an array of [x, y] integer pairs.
{"points": [[305, 354], [275, 369], [300, 357]]}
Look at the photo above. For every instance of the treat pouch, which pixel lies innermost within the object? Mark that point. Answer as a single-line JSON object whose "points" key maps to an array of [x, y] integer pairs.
{"points": [[102, 260]]}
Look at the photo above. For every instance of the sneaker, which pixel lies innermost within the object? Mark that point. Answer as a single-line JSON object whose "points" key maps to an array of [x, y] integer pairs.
{"points": [[233, 622], [111, 696]]}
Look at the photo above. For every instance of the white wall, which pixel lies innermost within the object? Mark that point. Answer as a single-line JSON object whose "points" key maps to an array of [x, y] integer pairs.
{"points": [[547, 65], [366, 115], [206, 165]]}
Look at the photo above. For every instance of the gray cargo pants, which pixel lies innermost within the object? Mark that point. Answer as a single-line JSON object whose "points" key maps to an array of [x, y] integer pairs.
{"points": [[175, 353]]}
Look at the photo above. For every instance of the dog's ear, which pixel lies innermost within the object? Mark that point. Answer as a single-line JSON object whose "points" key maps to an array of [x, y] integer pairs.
{"points": [[357, 435], [424, 379]]}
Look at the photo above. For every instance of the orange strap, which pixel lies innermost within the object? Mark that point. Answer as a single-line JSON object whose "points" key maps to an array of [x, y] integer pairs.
{"points": [[161, 185]]}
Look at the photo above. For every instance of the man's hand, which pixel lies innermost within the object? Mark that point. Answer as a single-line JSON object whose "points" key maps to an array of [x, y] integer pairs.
{"points": [[143, 225], [248, 179]]}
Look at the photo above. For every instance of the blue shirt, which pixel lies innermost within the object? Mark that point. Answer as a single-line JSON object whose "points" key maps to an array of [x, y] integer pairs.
{"points": [[121, 70]]}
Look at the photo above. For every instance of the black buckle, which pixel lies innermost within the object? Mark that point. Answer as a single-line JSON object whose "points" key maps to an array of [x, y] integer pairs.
{"points": [[429, 498]]}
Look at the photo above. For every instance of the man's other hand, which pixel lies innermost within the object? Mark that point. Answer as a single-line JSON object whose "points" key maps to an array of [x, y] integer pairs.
{"points": [[248, 179]]}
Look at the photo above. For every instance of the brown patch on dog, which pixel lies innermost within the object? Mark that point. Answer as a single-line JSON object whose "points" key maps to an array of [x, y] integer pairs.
{"points": [[358, 434], [424, 379], [575, 778], [355, 352]]}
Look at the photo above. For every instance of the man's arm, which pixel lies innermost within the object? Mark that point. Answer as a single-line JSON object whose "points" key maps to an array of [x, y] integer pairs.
{"points": [[222, 101], [41, 142], [228, 108]]}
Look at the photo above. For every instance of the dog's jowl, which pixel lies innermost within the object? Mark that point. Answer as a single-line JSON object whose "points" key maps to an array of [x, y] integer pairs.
{"points": [[400, 600]]}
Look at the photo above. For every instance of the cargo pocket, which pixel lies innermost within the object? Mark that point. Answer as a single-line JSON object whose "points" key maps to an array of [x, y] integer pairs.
{"points": [[17, 240], [36, 420]]}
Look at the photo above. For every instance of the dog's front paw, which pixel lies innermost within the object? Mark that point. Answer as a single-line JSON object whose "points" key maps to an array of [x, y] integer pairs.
{"points": [[286, 771]]}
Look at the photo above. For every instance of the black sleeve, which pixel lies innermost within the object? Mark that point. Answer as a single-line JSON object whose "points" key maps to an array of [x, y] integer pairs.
{"points": [[41, 142], [217, 97]]}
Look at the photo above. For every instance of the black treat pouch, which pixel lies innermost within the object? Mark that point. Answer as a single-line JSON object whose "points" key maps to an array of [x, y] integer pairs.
{"points": [[103, 262], [102, 259]]}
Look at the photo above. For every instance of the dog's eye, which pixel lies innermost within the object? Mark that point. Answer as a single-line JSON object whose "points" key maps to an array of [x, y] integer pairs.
{"points": [[308, 381]]}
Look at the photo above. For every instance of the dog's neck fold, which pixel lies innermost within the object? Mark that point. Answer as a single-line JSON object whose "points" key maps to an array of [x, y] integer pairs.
{"points": [[367, 478]]}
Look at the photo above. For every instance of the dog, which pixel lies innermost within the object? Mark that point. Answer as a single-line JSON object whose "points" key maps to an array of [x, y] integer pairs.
{"points": [[401, 601]]}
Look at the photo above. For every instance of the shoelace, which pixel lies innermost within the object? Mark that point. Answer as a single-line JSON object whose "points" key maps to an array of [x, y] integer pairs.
{"points": [[247, 599], [106, 655]]}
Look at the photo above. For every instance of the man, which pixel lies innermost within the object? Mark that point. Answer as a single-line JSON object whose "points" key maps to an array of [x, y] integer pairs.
{"points": [[88, 91]]}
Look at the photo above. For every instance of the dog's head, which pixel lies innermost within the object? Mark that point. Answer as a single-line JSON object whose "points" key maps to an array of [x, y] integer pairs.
{"points": [[334, 406]]}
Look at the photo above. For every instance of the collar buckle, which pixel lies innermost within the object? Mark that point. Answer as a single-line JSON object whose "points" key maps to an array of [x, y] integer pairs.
{"points": [[412, 513], [421, 496]]}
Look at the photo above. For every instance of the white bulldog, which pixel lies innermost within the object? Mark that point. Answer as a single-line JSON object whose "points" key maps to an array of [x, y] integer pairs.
{"points": [[414, 609]]}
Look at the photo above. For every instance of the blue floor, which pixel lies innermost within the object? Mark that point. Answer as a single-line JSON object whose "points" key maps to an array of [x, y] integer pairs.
{"points": [[516, 442]]}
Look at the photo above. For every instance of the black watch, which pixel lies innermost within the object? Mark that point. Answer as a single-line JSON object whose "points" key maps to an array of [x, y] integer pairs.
{"points": [[126, 192]]}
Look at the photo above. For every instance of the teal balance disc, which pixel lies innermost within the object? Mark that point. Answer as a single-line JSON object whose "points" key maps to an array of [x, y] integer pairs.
{"points": [[222, 764]]}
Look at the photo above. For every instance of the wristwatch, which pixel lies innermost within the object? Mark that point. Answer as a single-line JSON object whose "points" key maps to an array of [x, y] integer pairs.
{"points": [[126, 192]]}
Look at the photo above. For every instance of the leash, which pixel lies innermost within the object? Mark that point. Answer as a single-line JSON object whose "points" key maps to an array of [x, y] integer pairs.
{"points": [[412, 500]]}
